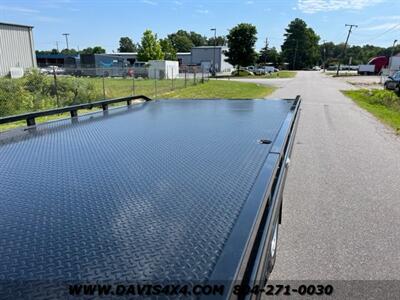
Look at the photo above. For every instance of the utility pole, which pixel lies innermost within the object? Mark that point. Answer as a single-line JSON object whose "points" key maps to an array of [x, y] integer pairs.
{"points": [[295, 54], [345, 44], [324, 57], [66, 39], [215, 46], [391, 55], [266, 49]]}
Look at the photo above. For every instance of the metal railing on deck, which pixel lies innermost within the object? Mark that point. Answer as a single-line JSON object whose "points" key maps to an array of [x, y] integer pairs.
{"points": [[73, 109]]}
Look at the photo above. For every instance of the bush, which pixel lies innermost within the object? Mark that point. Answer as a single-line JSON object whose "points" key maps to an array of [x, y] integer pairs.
{"points": [[40, 88], [383, 97], [14, 98], [37, 91], [75, 91]]}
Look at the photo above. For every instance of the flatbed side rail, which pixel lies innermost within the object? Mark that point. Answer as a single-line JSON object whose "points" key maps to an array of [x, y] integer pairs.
{"points": [[73, 109]]}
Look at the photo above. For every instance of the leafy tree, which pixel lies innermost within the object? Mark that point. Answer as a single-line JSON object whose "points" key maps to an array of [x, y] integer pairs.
{"points": [[150, 48], [52, 51], [126, 45], [69, 51], [241, 41], [168, 49], [300, 48], [94, 50], [181, 41], [263, 57], [358, 54], [220, 41], [197, 39], [184, 41], [270, 56]]}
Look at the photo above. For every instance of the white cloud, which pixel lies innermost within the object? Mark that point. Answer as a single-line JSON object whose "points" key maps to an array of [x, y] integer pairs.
{"points": [[314, 6], [382, 26], [47, 19], [202, 11], [149, 2], [249, 2], [19, 9], [178, 2]]}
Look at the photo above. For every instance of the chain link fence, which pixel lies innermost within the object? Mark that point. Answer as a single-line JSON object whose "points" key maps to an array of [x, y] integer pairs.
{"points": [[54, 87]]}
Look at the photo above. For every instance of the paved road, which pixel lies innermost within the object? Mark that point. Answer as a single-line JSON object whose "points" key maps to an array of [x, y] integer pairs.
{"points": [[341, 214]]}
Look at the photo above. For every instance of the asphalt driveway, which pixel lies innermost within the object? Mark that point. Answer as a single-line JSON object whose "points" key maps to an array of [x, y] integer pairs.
{"points": [[341, 213]]}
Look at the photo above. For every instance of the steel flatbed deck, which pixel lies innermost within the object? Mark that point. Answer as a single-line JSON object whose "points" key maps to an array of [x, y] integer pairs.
{"points": [[161, 191]]}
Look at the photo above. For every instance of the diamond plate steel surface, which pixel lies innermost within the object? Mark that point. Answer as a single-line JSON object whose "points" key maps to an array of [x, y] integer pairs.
{"points": [[146, 193]]}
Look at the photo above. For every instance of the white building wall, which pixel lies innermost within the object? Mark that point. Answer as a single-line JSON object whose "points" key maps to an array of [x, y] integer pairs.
{"points": [[16, 48], [163, 69]]}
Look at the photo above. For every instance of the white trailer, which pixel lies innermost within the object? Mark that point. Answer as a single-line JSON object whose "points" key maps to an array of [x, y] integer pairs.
{"points": [[163, 69], [394, 64], [366, 69]]}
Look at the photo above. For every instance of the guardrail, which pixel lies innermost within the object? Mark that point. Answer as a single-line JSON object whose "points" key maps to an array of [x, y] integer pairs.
{"points": [[73, 109]]}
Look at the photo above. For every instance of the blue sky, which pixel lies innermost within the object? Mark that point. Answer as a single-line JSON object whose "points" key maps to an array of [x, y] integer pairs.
{"points": [[91, 22]]}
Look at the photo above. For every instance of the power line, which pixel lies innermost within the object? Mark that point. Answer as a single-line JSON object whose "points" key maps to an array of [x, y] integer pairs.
{"points": [[386, 31], [345, 44]]}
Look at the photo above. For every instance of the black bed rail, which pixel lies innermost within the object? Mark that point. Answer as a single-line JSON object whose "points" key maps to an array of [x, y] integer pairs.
{"points": [[73, 109]]}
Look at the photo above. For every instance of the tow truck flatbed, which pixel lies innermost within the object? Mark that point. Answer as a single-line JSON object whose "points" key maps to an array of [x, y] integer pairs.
{"points": [[161, 191]]}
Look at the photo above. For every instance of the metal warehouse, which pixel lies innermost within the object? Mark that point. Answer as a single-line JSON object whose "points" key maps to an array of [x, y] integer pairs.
{"points": [[16, 47]]}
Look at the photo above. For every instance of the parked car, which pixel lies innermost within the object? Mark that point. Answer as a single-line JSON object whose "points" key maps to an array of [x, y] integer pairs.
{"points": [[316, 68], [393, 83], [52, 69], [242, 72], [266, 70]]}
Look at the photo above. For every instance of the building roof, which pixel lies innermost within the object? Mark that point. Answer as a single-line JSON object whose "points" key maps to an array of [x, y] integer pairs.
{"points": [[16, 25], [122, 53], [209, 47], [54, 55]]}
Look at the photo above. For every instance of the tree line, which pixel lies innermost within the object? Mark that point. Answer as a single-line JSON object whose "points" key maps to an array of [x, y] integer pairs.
{"points": [[301, 47], [150, 45]]}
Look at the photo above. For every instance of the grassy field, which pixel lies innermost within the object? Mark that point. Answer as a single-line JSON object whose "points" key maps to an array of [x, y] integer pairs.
{"points": [[280, 74], [213, 89], [119, 87], [384, 105], [221, 89]]}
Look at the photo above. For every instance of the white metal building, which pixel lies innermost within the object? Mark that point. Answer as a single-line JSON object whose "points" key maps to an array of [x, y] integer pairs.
{"points": [[16, 47], [204, 56], [163, 69]]}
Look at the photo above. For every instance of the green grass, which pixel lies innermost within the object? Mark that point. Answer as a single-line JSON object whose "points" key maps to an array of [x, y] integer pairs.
{"points": [[342, 73], [280, 74], [213, 89], [119, 87], [221, 89], [384, 105]]}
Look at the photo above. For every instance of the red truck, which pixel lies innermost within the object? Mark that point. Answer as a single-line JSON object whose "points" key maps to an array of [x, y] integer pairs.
{"points": [[379, 62]]}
